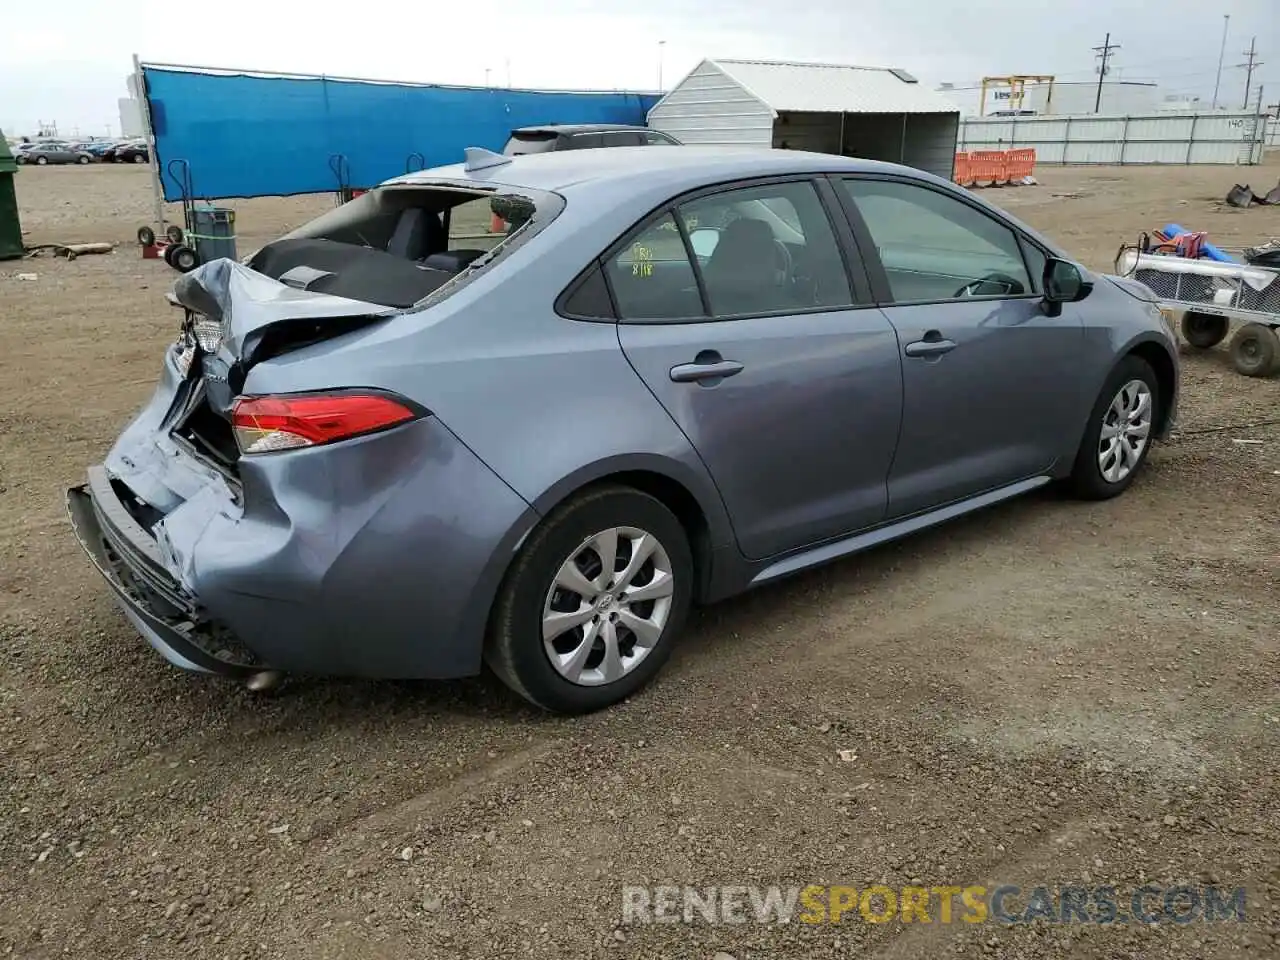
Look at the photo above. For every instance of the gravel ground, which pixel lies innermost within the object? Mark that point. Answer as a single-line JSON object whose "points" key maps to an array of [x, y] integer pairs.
{"points": [[1046, 693]]}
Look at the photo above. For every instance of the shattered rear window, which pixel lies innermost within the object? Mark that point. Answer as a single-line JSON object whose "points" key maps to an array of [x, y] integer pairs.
{"points": [[400, 244]]}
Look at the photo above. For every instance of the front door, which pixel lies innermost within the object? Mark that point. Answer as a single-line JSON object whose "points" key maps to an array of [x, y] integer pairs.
{"points": [[788, 390], [990, 381]]}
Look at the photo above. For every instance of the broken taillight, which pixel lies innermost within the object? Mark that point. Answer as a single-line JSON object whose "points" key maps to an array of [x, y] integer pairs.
{"points": [[289, 421]]}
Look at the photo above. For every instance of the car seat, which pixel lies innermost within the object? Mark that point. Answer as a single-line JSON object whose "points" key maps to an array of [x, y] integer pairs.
{"points": [[744, 273]]}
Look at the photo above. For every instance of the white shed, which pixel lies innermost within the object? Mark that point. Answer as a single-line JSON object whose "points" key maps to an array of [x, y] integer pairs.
{"points": [[878, 113]]}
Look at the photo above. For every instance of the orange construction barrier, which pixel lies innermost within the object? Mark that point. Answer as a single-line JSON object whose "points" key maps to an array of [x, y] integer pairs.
{"points": [[962, 174], [988, 168], [1020, 163]]}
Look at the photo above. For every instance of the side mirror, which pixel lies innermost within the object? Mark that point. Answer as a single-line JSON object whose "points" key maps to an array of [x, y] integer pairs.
{"points": [[1064, 283], [704, 241]]}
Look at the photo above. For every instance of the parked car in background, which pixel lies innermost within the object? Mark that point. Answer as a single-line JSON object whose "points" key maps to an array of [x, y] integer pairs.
{"points": [[582, 136], [29, 144], [98, 147], [46, 153], [378, 450], [128, 151]]}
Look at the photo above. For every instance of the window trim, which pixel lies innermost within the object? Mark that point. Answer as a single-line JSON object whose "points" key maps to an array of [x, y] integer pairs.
{"points": [[860, 289], [561, 305], [883, 293]]}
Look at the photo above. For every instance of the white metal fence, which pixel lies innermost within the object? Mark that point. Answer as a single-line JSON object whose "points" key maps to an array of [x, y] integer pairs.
{"points": [[1154, 138]]}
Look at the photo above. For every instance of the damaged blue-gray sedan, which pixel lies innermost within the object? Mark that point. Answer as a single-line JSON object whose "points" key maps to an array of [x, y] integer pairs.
{"points": [[387, 445]]}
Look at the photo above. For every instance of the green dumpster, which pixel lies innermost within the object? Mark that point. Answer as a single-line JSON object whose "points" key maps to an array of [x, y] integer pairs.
{"points": [[10, 229]]}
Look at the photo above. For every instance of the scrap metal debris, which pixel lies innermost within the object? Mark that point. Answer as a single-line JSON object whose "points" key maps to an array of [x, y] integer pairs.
{"points": [[69, 250], [1242, 195]]}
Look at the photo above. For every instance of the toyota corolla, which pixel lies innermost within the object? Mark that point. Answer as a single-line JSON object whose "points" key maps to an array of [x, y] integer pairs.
{"points": [[382, 446]]}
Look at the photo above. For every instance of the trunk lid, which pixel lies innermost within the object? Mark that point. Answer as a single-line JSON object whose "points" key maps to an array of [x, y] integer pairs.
{"points": [[240, 304], [236, 317]]}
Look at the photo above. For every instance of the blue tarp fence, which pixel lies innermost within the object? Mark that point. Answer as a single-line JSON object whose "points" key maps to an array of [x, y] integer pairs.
{"points": [[249, 135]]}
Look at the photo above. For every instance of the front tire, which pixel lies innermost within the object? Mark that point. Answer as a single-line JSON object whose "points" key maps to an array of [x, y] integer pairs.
{"points": [[1119, 433], [41, 161], [575, 629]]}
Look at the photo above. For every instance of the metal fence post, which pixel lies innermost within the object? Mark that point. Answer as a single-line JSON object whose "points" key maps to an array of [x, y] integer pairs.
{"points": [[1066, 141], [1124, 139], [1191, 137], [149, 131]]}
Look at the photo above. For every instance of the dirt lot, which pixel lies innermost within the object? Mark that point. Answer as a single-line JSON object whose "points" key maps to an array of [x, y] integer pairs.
{"points": [[1045, 694]]}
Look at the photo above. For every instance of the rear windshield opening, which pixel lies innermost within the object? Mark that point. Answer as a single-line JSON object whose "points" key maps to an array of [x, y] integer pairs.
{"points": [[523, 142], [396, 245]]}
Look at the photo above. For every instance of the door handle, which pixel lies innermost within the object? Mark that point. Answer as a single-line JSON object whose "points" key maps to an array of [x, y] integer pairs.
{"points": [[933, 345], [705, 370]]}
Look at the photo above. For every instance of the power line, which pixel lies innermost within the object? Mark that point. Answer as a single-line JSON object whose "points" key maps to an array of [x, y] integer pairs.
{"points": [[1249, 66], [1104, 54]]}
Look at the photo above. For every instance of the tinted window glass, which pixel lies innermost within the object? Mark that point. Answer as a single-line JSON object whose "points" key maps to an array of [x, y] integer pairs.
{"points": [[766, 249], [655, 139], [652, 278], [590, 298], [524, 142], [936, 247], [620, 138], [582, 141]]}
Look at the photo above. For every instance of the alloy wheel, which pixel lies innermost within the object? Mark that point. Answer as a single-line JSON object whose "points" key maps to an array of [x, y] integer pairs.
{"points": [[608, 606], [1126, 428]]}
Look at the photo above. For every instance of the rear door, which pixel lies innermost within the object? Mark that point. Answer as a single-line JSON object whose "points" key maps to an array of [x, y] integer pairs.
{"points": [[990, 381], [766, 352]]}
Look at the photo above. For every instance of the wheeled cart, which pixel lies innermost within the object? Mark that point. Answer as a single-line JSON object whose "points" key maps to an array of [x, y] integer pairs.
{"points": [[1209, 296]]}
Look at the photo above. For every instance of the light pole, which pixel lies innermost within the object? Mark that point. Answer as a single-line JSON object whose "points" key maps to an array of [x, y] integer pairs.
{"points": [[1226, 22], [661, 45]]}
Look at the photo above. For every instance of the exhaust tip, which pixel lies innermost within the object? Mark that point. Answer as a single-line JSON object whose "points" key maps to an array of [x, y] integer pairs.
{"points": [[265, 680]]}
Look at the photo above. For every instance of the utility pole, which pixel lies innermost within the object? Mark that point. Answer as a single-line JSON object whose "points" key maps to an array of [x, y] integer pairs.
{"points": [[1104, 54], [1250, 65], [1222, 52], [661, 45]]}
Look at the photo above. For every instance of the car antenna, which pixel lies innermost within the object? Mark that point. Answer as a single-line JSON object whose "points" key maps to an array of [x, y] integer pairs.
{"points": [[478, 158]]}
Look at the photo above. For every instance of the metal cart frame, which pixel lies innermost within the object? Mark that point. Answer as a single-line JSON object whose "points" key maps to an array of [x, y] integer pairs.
{"points": [[1210, 296]]}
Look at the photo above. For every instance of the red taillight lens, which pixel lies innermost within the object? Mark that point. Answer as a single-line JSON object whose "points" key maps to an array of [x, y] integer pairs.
{"points": [[263, 424]]}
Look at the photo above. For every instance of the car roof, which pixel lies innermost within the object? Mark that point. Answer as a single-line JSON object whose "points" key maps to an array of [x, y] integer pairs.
{"points": [[631, 180], [680, 168], [576, 128]]}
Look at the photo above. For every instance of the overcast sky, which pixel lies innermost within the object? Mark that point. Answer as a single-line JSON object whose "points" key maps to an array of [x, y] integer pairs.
{"points": [[65, 60]]}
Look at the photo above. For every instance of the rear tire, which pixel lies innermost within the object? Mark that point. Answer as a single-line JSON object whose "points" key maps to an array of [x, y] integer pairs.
{"points": [[1204, 330], [1253, 350], [41, 161], [139, 158], [146, 236], [82, 159], [1118, 435], [540, 659]]}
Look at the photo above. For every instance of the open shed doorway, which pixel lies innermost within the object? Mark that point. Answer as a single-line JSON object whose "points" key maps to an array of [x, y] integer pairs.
{"points": [[926, 141]]}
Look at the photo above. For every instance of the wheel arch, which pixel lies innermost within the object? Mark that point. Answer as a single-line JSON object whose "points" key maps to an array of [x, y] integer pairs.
{"points": [[1166, 370], [692, 498]]}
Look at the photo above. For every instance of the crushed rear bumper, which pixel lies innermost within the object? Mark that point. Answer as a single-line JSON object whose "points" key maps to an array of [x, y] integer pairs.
{"points": [[129, 560]]}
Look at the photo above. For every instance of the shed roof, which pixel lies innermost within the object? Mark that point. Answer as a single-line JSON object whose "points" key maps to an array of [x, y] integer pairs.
{"points": [[833, 88]]}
